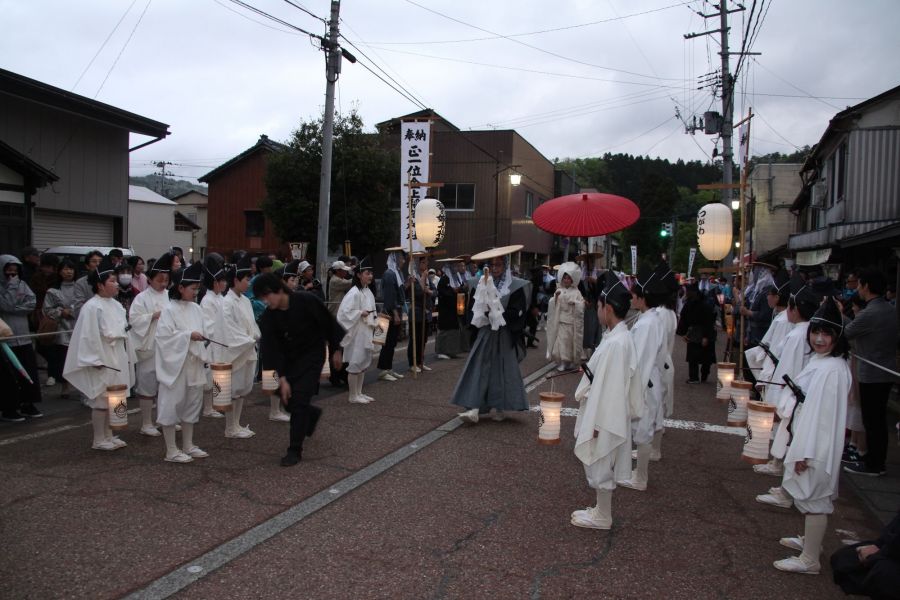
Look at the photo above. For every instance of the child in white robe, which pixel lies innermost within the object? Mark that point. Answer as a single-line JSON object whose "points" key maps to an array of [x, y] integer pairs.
{"points": [[144, 316], [213, 307], [240, 333], [665, 312], [357, 315], [565, 319], [608, 400], [97, 355], [813, 461], [181, 359]]}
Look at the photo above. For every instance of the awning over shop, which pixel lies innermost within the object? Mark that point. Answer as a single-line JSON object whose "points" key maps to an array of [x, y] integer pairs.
{"points": [[811, 258]]}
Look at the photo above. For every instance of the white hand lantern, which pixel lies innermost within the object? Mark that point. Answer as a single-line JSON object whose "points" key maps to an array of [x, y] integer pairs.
{"points": [[221, 392]]}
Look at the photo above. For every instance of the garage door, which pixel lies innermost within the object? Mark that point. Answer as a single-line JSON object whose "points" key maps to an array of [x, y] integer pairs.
{"points": [[51, 228]]}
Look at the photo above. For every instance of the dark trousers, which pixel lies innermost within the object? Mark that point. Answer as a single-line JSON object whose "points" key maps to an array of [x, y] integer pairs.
{"points": [[386, 358], [880, 579], [337, 377], [28, 393], [56, 359], [304, 417], [422, 328], [873, 399], [698, 371]]}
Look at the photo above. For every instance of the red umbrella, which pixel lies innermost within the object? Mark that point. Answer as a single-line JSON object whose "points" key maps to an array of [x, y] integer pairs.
{"points": [[586, 214]]}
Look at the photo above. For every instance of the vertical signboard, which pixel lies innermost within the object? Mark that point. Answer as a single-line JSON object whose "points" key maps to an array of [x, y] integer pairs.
{"points": [[415, 143]]}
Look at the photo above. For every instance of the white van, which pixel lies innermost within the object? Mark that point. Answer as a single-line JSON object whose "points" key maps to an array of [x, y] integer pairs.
{"points": [[76, 254]]}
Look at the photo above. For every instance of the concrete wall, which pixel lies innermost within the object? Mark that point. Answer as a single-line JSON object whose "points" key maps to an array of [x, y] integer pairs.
{"points": [[774, 186], [151, 229]]}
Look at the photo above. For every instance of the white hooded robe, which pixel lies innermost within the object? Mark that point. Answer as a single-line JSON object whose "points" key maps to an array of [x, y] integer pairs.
{"points": [[180, 363], [357, 343], [240, 333], [648, 338], [142, 338]]}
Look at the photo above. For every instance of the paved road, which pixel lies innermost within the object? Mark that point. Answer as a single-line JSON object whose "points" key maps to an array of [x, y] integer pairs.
{"points": [[469, 512]]}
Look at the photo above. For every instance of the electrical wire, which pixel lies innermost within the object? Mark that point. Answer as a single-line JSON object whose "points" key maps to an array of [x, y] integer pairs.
{"points": [[648, 132], [103, 45], [252, 20], [407, 94], [125, 45], [307, 11], [807, 94], [263, 13]]}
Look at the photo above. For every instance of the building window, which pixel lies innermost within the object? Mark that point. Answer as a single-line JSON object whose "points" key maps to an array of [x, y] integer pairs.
{"points": [[529, 204], [457, 196], [181, 224], [255, 224]]}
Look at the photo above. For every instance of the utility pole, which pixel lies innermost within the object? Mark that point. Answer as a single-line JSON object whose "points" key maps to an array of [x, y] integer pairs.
{"points": [[332, 71], [162, 164]]}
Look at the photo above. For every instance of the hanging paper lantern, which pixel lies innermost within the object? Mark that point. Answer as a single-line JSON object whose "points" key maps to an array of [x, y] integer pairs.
{"points": [[429, 221], [270, 381], [714, 228], [551, 405], [737, 406], [221, 386], [460, 304], [759, 429], [381, 330], [725, 375], [118, 406]]}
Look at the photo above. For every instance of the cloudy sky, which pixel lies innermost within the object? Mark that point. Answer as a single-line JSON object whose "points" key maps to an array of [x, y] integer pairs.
{"points": [[576, 78]]}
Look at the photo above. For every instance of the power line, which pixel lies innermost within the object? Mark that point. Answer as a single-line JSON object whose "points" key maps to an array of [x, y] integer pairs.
{"points": [[125, 45], [541, 50], [390, 85], [807, 94], [773, 130], [648, 132], [103, 45], [304, 9], [252, 20], [263, 13], [406, 93]]}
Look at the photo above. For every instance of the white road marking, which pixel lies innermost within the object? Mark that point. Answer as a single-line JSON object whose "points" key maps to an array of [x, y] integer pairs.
{"points": [[670, 423]]}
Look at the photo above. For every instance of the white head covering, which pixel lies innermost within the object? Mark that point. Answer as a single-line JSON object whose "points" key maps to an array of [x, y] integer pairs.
{"points": [[392, 266], [572, 270]]}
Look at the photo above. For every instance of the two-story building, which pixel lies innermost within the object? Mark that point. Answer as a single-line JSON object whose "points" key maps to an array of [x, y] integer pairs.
{"points": [[849, 207], [193, 205], [770, 222]]}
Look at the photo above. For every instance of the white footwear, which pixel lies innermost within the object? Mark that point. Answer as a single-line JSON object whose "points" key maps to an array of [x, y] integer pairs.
{"points": [[357, 400], [213, 414], [443, 357], [50, 382], [367, 397], [561, 367], [241, 434], [275, 411], [770, 468], [425, 367], [498, 415], [387, 376], [396, 374], [470, 416], [281, 417], [178, 427], [597, 517], [248, 430], [104, 445], [794, 543], [180, 457], [415, 370], [795, 564], [634, 483], [150, 431], [196, 452], [775, 500], [117, 442]]}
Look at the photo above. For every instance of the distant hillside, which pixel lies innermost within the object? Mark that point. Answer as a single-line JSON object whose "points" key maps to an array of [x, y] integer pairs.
{"points": [[170, 188]]}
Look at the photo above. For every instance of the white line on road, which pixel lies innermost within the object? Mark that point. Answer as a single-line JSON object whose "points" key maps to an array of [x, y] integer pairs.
{"points": [[670, 423]]}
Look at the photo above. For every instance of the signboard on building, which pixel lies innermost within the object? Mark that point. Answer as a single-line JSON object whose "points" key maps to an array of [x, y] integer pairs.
{"points": [[415, 159]]}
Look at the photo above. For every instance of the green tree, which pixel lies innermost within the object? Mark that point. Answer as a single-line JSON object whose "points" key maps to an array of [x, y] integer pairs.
{"points": [[363, 181]]}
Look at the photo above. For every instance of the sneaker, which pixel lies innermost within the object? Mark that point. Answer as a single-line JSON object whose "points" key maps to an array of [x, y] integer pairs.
{"points": [[50, 382], [396, 374], [415, 370], [290, 459], [241, 434], [104, 445], [794, 543], [11, 416], [196, 452], [30, 410], [470, 416], [425, 367], [860, 468], [387, 376], [769, 469], [850, 455], [795, 564], [589, 519], [443, 357], [775, 500]]}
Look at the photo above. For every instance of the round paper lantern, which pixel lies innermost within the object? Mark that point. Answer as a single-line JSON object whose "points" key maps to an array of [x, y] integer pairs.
{"points": [[118, 406], [221, 386], [714, 231], [737, 406], [551, 405], [725, 375], [759, 429], [270, 380], [429, 221]]}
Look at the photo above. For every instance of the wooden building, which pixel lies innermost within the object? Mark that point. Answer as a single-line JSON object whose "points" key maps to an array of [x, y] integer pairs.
{"points": [[84, 144], [237, 188]]}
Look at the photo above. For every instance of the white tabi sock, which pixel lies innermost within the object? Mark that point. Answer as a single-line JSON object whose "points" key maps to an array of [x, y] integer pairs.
{"points": [[656, 445], [238, 407], [641, 471], [813, 534], [98, 421], [187, 436], [604, 506], [207, 403], [146, 405], [274, 406], [169, 437]]}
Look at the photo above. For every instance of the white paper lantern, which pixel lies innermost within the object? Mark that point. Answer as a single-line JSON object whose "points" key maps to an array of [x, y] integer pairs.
{"points": [[725, 375], [430, 220], [551, 405], [381, 330], [270, 381], [759, 429], [714, 228], [118, 406], [737, 406], [221, 386]]}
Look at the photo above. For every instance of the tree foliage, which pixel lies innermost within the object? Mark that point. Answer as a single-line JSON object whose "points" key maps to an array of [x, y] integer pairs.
{"points": [[364, 178]]}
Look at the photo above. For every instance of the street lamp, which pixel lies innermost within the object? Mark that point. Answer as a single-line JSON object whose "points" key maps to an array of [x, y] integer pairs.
{"points": [[515, 178], [735, 204]]}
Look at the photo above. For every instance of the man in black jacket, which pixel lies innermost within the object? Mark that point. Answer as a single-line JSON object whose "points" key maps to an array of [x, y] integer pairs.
{"points": [[295, 329], [871, 568]]}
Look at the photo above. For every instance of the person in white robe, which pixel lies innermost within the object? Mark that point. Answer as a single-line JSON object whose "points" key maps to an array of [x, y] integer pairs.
{"points": [[649, 340], [565, 319], [240, 335], [758, 358], [144, 317], [181, 363], [608, 400], [665, 312], [813, 461], [357, 315], [213, 307], [98, 356], [795, 354]]}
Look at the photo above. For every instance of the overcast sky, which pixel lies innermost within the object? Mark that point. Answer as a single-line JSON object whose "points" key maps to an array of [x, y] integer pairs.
{"points": [[609, 78]]}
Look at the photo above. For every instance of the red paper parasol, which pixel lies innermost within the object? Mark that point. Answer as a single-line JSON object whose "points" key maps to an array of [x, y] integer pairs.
{"points": [[586, 214]]}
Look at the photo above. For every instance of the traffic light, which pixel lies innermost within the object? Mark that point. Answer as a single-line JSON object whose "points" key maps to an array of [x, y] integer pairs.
{"points": [[666, 230]]}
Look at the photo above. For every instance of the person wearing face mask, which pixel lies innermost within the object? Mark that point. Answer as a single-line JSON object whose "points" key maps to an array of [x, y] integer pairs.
{"points": [[97, 355], [17, 301], [58, 305], [812, 464], [126, 293]]}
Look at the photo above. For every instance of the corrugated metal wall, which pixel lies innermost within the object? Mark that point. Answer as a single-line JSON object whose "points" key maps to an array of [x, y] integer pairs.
{"points": [[873, 169], [52, 228]]}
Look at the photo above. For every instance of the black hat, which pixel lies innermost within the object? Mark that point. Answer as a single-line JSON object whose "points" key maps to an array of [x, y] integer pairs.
{"points": [[243, 265], [651, 282], [781, 281], [829, 314], [106, 266], [667, 276], [163, 264], [291, 269], [364, 265], [213, 269], [614, 292], [191, 274], [802, 293]]}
